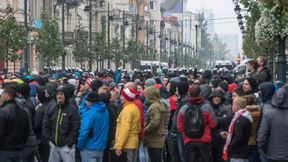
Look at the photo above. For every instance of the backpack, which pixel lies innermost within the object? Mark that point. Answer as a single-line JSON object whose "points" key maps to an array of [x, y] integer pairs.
{"points": [[193, 122]]}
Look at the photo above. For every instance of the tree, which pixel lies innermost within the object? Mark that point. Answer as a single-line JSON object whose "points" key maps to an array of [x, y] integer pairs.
{"points": [[80, 52], [48, 42], [206, 50], [13, 37], [219, 48], [117, 52]]}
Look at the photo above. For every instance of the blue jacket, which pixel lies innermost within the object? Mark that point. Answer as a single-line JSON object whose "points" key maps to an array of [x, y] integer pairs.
{"points": [[94, 129]]}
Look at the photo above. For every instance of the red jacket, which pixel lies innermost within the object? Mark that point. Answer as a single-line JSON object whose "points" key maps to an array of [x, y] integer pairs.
{"points": [[138, 103], [208, 116]]}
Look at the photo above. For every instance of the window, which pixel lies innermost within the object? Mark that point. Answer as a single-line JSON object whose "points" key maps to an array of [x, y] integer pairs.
{"points": [[152, 5]]}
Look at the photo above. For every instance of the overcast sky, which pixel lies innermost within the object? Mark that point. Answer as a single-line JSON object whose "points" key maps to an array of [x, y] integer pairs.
{"points": [[221, 9]]}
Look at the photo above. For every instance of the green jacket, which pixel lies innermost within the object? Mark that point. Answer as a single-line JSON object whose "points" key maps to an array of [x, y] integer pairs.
{"points": [[154, 127]]}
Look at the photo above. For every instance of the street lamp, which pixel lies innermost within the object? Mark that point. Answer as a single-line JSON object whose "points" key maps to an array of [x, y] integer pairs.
{"points": [[237, 9]]}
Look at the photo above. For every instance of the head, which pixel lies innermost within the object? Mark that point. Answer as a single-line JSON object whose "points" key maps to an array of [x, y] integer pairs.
{"points": [[238, 104], [216, 97], [84, 86], [237, 92], [9, 93], [150, 82], [250, 99], [96, 84], [250, 86], [165, 81], [261, 60], [182, 88], [152, 94], [61, 97], [194, 91], [252, 65], [128, 95], [92, 98], [104, 94], [131, 85]]}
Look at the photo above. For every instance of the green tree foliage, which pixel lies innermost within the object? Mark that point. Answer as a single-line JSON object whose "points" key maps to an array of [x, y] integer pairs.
{"points": [[81, 52], [116, 48], [219, 48], [48, 42], [12, 36]]}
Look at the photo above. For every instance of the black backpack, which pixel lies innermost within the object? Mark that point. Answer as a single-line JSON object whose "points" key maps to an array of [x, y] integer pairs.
{"points": [[193, 122]]}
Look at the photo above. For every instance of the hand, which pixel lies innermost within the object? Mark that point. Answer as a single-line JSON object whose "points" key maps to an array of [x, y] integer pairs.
{"points": [[224, 134], [118, 152]]}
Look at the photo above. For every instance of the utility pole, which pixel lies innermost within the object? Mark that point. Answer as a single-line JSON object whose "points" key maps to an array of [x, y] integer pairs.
{"points": [[196, 45], [90, 36], [26, 52], [123, 36], [63, 30]]}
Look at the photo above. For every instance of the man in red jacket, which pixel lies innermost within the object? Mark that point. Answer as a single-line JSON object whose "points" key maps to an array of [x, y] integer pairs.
{"points": [[197, 147]]}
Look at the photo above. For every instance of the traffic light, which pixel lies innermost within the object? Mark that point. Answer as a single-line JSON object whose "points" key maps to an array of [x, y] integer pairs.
{"points": [[238, 59]]}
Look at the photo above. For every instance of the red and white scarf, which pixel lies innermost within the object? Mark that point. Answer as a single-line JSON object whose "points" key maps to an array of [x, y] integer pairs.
{"points": [[230, 133]]}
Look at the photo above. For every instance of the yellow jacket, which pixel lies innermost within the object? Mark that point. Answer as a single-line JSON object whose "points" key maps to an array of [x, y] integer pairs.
{"points": [[128, 127]]}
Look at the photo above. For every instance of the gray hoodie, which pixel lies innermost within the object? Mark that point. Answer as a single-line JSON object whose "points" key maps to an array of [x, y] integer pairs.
{"points": [[273, 131]]}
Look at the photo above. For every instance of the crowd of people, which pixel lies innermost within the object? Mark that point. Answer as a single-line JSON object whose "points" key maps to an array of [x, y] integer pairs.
{"points": [[178, 116]]}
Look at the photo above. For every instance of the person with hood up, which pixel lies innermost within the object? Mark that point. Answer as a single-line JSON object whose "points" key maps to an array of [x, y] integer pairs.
{"points": [[223, 116], [93, 133], [267, 90], [43, 97], [154, 127], [60, 127], [272, 133], [197, 147], [128, 126], [238, 134]]}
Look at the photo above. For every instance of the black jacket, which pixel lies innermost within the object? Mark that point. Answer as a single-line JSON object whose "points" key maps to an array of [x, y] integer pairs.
{"points": [[239, 143], [61, 124], [14, 126], [264, 75]]}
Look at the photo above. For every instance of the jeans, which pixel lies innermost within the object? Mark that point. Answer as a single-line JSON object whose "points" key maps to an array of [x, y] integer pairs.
{"points": [[193, 150], [61, 154], [262, 155], [181, 148], [173, 147], [155, 154], [253, 154], [10, 156], [238, 160], [91, 156]]}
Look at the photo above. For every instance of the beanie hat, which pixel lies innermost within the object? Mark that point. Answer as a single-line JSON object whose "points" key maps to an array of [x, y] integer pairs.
{"points": [[92, 97], [89, 81], [150, 82], [231, 87], [129, 94], [253, 84], [216, 93]]}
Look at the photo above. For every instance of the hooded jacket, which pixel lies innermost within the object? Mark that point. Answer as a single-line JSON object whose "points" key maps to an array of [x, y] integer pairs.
{"points": [[267, 90], [208, 116], [255, 112], [128, 127], [94, 129], [61, 122], [155, 124], [273, 131]]}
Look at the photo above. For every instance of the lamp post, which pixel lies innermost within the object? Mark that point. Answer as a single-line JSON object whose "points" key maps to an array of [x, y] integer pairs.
{"points": [[63, 30], [26, 51]]}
